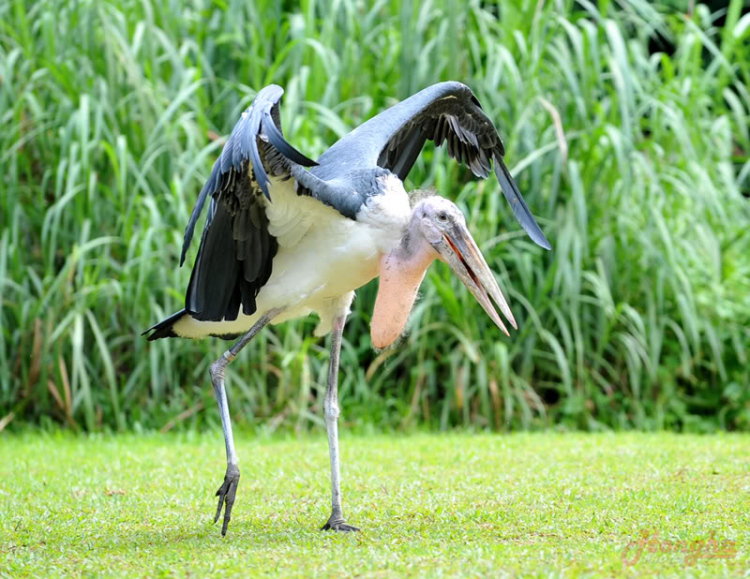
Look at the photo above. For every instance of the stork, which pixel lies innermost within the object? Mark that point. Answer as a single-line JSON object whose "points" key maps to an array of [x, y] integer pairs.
{"points": [[282, 241]]}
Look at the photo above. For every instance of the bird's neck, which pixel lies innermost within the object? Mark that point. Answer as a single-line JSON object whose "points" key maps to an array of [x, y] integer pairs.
{"points": [[401, 273]]}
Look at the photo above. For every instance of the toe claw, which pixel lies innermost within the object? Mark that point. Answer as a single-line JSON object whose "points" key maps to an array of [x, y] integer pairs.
{"points": [[339, 525], [221, 503], [226, 493]]}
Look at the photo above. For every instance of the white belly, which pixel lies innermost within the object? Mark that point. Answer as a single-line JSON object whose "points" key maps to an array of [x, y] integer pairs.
{"points": [[322, 256]]}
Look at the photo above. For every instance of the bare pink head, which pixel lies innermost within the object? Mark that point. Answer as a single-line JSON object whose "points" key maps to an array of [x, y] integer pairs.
{"points": [[437, 230]]}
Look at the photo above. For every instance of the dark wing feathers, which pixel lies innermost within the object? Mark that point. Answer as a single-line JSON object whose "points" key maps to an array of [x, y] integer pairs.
{"points": [[472, 140], [241, 147], [236, 250], [211, 266], [446, 112]]}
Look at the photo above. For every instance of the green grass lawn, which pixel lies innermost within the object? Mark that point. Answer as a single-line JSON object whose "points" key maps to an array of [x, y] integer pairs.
{"points": [[428, 505]]}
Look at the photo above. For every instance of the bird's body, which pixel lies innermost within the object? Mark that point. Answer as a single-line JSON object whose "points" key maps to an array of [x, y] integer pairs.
{"points": [[282, 241], [322, 257]]}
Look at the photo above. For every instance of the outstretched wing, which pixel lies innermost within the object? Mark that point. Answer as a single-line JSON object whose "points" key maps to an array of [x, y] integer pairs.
{"points": [[236, 250], [446, 111], [261, 121]]}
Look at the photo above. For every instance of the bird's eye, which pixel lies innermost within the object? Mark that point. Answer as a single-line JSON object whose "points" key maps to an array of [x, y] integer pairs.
{"points": [[442, 218]]}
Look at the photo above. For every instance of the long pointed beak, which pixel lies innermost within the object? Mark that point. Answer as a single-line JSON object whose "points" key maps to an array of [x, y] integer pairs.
{"points": [[459, 250]]}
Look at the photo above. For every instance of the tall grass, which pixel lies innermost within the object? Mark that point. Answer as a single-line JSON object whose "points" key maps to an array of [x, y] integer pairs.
{"points": [[634, 160]]}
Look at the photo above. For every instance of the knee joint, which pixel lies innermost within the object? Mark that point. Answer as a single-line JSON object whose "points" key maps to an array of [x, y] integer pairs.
{"points": [[216, 370]]}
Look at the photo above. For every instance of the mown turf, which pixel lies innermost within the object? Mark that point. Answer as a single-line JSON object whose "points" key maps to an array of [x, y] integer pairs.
{"points": [[439, 505]]}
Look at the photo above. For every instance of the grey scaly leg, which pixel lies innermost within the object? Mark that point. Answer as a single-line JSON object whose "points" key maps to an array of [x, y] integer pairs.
{"points": [[336, 521], [228, 490]]}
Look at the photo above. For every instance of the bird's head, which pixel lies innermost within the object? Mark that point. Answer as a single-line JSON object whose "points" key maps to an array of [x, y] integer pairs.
{"points": [[437, 230]]}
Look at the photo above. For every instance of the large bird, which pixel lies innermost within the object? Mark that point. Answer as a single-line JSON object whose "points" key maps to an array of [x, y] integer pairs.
{"points": [[282, 241]]}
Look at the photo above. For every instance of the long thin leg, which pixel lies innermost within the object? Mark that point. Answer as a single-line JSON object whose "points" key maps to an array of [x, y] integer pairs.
{"points": [[336, 521], [228, 490]]}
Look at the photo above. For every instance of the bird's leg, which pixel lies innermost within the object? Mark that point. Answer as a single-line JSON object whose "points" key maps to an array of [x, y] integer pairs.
{"points": [[336, 521], [228, 489]]}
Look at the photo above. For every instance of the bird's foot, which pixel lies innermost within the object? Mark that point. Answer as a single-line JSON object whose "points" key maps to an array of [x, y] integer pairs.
{"points": [[337, 523], [226, 493]]}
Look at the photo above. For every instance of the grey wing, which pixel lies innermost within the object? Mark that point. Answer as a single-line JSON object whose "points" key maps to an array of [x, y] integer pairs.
{"points": [[444, 112], [236, 251]]}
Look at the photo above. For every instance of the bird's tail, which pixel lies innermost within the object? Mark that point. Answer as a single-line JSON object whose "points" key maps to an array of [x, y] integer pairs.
{"points": [[164, 328]]}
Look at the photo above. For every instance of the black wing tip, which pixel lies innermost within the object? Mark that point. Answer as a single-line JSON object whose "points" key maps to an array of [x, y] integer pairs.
{"points": [[518, 205], [185, 246], [158, 335], [186, 239], [164, 329]]}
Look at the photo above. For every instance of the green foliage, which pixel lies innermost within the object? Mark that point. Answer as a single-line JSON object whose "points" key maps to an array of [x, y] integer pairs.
{"points": [[522, 505], [634, 161]]}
